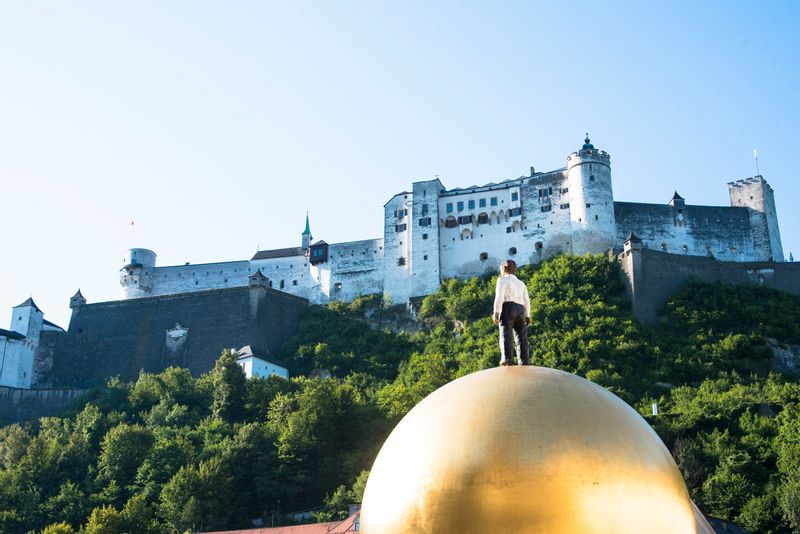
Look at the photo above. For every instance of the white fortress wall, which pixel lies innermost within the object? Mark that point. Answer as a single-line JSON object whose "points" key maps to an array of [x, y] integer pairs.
{"points": [[546, 210], [356, 268], [198, 277], [289, 273], [397, 247]]}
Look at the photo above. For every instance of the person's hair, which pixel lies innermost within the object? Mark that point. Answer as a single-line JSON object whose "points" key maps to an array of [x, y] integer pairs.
{"points": [[509, 266]]}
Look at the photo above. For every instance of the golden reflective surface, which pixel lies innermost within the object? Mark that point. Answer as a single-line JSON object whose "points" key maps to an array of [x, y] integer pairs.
{"points": [[525, 449]]}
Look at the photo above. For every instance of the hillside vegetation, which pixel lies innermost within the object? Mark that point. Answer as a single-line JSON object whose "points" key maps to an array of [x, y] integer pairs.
{"points": [[174, 453]]}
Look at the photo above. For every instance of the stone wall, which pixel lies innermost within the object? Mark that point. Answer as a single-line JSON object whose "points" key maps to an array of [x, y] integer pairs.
{"points": [[188, 330], [20, 405], [653, 276]]}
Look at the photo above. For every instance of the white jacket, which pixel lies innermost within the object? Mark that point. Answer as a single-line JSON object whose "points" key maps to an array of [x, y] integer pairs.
{"points": [[511, 289]]}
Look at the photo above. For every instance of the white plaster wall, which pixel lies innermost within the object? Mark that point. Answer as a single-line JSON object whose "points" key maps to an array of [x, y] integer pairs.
{"points": [[356, 268], [424, 232], [396, 245], [292, 271], [16, 362], [199, 277], [756, 193]]}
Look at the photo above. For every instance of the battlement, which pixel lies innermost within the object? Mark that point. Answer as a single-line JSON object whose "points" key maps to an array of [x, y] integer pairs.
{"points": [[750, 181]]}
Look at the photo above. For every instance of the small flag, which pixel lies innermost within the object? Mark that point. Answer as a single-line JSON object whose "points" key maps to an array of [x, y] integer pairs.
{"points": [[755, 153], [131, 223]]}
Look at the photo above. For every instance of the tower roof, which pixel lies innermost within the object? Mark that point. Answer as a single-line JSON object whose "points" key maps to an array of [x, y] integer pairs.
{"points": [[587, 144], [28, 303], [633, 238], [308, 227], [78, 295], [676, 196]]}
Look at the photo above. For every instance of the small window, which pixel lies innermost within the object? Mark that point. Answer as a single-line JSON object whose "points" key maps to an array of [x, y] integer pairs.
{"points": [[465, 219], [283, 284], [425, 221], [294, 282], [400, 227], [514, 196], [664, 247], [484, 256], [515, 212], [509, 230], [471, 204], [460, 206], [483, 218], [337, 286], [449, 207], [424, 209], [588, 205], [451, 222], [493, 201], [564, 190], [424, 236], [564, 206], [596, 218], [538, 245], [401, 261], [512, 251], [591, 178], [482, 202], [425, 257], [546, 208]]}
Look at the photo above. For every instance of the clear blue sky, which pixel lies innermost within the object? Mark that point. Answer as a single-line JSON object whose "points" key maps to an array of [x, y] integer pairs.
{"points": [[215, 126]]}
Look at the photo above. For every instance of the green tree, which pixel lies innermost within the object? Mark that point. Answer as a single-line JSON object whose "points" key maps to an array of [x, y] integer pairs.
{"points": [[230, 387]]}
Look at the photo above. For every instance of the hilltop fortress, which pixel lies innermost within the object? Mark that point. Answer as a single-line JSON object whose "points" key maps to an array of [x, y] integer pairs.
{"points": [[431, 233], [186, 315]]}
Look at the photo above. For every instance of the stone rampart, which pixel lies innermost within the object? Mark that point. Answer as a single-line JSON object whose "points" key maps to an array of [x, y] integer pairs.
{"points": [[653, 276], [20, 405]]}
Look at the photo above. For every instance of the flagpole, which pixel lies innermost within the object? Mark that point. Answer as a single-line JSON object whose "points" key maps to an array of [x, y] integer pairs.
{"points": [[755, 155]]}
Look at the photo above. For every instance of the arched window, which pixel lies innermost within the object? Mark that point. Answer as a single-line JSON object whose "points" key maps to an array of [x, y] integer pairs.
{"points": [[466, 234], [451, 222], [483, 218], [484, 256]]}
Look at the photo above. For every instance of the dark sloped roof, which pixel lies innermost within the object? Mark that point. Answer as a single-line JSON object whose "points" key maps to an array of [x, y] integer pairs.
{"points": [[54, 325], [676, 196], [27, 303], [11, 334], [320, 242], [278, 253]]}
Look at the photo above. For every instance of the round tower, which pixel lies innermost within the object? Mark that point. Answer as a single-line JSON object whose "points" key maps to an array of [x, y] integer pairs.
{"points": [[591, 200], [136, 275]]}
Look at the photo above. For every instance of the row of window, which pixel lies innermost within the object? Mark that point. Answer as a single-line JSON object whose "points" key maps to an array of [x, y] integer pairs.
{"points": [[481, 203]]}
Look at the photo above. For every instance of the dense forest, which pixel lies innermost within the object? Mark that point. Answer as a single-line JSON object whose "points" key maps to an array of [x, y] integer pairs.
{"points": [[173, 453]]}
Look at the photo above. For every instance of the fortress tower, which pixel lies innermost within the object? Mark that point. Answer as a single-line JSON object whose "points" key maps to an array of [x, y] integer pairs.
{"points": [[591, 200], [306, 236], [136, 276], [756, 194]]}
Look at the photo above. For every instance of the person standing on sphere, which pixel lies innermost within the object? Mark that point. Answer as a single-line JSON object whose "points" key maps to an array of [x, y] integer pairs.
{"points": [[512, 312]]}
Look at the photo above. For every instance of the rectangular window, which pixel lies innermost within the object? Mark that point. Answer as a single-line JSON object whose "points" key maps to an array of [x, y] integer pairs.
{"points": [[465, 219], [451, 223], [515, 212], [449, 207], [424, 209], [547, 208], [471, 204], [425, 221], [508, 229], [493, 201], [514, 197], [460, 206], [400, 228], [400, 213], [425, 257], [564, 206], [401, 261], [482, 203], [424, 236], [588, 205], [564, 190]]}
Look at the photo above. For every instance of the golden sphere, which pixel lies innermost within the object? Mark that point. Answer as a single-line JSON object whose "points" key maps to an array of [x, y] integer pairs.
{"points": [[525, 449]]}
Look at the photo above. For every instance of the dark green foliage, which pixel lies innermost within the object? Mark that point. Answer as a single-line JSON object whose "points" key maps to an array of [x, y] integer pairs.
{"points": [[171, 452]]}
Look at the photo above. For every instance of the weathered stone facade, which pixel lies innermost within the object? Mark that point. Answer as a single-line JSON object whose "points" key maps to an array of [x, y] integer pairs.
{"points": [[652, 276], [431, 233], [121, 338]]}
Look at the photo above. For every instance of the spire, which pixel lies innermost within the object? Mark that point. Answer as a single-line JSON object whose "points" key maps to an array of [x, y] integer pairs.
{"points": [[587, 144], [77, 300], [308, 227]]}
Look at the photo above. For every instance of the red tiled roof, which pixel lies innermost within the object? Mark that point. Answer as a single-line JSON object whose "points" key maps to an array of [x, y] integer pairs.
{"points": [[332, 527]]}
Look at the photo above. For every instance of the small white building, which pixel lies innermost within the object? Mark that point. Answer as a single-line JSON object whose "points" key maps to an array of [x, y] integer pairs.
{"points": [[258, 366]]}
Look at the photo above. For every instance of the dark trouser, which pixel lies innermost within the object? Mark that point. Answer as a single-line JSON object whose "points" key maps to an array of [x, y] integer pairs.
{"points": [[512, 321]]}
